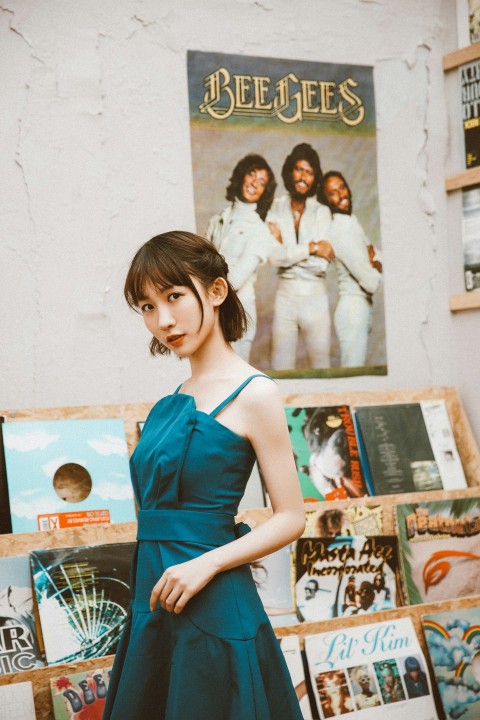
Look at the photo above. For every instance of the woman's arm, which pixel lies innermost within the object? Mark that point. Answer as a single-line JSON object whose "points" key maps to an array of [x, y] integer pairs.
{"points": [[262, 412]]}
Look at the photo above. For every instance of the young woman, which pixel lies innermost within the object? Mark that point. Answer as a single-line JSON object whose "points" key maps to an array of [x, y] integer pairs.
{"points": [[240, 234], [198, 644]]}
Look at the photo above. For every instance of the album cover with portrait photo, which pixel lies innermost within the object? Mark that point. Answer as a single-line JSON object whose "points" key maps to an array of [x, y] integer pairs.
{"points": [[345, 576], [371, 672]]}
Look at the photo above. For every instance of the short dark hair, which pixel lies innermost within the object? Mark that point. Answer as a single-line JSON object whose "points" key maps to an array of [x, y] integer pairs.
{"points": [[321, 188], [173, 258], [243, 167], [304, 151]]}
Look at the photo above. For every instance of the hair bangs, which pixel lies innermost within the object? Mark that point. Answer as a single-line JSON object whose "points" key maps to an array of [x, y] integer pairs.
{"points": [[154, 265]]}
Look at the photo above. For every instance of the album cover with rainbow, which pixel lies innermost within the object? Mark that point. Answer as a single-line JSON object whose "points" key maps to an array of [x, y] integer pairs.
{"points": [[65, 473], [453, 640]]}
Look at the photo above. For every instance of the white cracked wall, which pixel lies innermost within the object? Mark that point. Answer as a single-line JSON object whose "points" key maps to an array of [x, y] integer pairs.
{"points": [[95, 159]]}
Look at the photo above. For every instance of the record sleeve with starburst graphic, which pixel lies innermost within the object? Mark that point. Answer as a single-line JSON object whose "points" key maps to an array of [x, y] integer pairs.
{"points": [[83, 594]]}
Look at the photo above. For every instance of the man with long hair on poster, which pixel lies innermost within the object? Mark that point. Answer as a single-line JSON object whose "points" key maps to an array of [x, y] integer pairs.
{"points": [[300, 225], [240, 234], [358, 271]]}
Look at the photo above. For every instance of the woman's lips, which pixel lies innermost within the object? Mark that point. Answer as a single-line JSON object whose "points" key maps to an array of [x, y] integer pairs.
{"points": [[175, 339]]}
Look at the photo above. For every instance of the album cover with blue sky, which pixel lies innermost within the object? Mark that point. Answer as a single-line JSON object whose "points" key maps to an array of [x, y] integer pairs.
{"points": [[64, 473]]}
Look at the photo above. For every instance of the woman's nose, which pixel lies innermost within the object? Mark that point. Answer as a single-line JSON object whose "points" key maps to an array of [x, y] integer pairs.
{"points": [[165, 318]]}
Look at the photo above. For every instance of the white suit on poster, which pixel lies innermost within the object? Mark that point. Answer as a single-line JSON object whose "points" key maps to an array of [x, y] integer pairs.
{"points": [[357, 281], [245, 242], [301, 299]]}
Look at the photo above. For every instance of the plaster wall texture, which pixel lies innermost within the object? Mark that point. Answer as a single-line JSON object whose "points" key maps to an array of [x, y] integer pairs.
{"points": [[95, 152]]}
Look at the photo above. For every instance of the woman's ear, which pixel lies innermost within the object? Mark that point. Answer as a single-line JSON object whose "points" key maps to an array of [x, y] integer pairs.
{"points": [[218, 291]]}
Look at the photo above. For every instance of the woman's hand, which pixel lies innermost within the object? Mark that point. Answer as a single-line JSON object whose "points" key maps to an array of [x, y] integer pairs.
{"points": [[179, 583]]}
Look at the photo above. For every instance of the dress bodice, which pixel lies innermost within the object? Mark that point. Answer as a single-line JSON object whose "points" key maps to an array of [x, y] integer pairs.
{"points": [[188, 459]]}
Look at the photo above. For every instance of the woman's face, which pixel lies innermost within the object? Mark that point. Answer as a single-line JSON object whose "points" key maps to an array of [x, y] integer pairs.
{"points": [[174, 316], [254, 184]]}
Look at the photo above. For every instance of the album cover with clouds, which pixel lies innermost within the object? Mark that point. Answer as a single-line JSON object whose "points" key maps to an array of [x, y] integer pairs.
{"points": [[453, 640], [65, 473]]}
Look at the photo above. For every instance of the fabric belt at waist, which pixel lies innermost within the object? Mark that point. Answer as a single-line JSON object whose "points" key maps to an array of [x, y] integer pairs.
{"points": [[188, 526]]}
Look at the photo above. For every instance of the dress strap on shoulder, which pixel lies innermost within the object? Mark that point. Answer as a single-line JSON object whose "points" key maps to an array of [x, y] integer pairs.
{"points": [[178, 388], [234, 394]]}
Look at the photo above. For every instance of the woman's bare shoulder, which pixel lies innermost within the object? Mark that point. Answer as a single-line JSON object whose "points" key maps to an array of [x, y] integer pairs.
{"points": [[260, 391]]}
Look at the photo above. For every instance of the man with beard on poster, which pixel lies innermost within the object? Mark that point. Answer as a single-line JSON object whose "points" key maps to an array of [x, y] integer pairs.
{"points": [[240, 234], [300, 224], [358, 271]]}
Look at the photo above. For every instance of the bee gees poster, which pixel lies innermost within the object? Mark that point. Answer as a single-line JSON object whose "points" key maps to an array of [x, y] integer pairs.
{"points": [[285, 185]]}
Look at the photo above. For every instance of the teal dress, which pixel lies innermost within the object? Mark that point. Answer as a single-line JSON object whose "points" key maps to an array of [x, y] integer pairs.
{"points": [[219, 658]]}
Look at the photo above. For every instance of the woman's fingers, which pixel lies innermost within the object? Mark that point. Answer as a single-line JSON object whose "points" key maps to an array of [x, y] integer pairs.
{"points": [[172, 595]]}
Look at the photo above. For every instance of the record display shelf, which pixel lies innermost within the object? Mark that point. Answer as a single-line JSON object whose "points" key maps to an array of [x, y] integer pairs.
{"points": [[18, 544]]}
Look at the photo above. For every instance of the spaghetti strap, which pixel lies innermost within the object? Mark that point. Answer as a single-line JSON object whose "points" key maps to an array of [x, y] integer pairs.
{"points": [[178, 388], [235, 393]]}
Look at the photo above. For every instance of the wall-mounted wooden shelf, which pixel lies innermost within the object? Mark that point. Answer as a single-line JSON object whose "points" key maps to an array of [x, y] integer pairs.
{"points": [[461, 56], [463, 179], [466, 301]]}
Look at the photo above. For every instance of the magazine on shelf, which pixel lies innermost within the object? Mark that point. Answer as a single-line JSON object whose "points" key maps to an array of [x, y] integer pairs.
{"points": [[473, 19], [439, 548], [83, 596], [272, 576], [453, 641], [5, 519], [65, 473], [80, 695], [16, 701], [20, 649], [408, 447], [326, 452], [353, 520], [471, 237], [470, 85], [370, 671], [345, 576], [290, 645]]}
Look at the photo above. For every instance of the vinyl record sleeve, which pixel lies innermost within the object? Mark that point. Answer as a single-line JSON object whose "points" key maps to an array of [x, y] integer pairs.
{"points": [[453, 641], [63, 473], [366, 672], [345, 576], [16, 701], [80, 695], [20, 649], [439, 548], [83, 596]]}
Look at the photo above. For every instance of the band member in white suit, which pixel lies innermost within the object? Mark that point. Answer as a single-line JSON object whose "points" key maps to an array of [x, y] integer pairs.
{"points": [[240, 234], [359, 272], [300, 224]]}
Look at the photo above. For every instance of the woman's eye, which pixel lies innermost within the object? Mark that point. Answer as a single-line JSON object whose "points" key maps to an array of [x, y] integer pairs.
{"points": [[173, 296], [146, 307]]}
